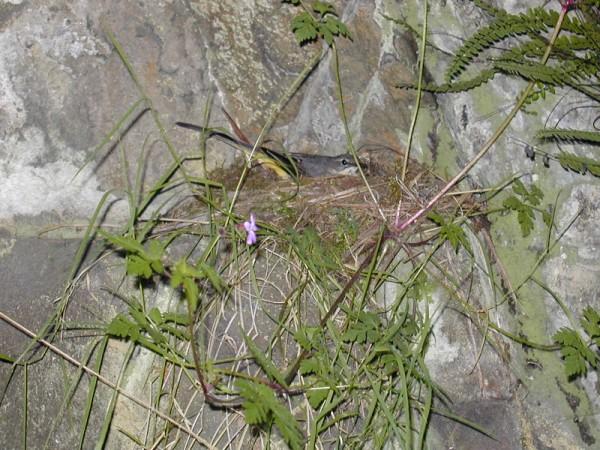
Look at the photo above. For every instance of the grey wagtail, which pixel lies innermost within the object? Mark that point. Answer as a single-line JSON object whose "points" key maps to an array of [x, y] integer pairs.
{"points": [[291, 164]]}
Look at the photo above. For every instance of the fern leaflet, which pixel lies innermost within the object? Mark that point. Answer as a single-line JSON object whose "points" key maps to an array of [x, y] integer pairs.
{"points": [[564, 134]]}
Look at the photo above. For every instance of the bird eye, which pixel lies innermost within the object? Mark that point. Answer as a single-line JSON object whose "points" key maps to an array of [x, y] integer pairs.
{"points": [[344, 162]]}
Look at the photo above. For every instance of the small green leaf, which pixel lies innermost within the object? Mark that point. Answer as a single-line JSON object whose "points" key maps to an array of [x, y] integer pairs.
{"points": [[304, 28], [317, 395], [332, 24], [365, 329], [139, 317], [455, 235], [141, 261], [450, 232], [525, 214], [183, 270], [535, 195], [155, 250], [323, 8], [181, 334], [310, 365], [573, 361], [121, 327], [154, 253], [255, 412], [156, 335], [591, 323], [344, 30], [354, 335], [436, 218], [191, 292], [138, 267], [260, 405], [525, 218], [334, 27], [157, 267], [302, 337], [389, 362], [327, 35], [513, 203], [575, 352], [6, 358], [212, 276], [265, 363], [519, 188], [126, 243], [155, 316], [178, 274], [547, 218], [179, 319]]}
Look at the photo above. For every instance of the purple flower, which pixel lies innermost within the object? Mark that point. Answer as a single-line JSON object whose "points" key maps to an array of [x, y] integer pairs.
{"points": [[251, 229]]}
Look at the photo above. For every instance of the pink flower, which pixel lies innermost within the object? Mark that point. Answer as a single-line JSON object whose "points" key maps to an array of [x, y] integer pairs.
{"points": [[251, 229], [567, 4]]}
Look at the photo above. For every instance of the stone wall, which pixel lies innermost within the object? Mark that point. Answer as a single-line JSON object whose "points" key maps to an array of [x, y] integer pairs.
{"points": [[63, 88]]}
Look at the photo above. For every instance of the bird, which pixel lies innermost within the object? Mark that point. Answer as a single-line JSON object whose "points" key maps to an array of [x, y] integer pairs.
{"points": [[287, 165]]}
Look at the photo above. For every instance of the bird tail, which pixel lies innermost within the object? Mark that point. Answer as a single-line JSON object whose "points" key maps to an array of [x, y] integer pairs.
{"points": [[212, 132], [283, 165]]}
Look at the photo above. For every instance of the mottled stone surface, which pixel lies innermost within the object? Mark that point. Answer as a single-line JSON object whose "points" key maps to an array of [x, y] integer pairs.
{"points": [[63, 88], [32, 274]]}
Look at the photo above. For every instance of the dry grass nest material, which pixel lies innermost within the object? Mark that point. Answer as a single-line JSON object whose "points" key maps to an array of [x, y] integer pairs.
{"points": [[312, 200], [318, 202]]}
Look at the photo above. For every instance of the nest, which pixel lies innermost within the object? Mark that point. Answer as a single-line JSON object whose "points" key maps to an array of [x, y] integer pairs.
{"points": [[381, 197]]}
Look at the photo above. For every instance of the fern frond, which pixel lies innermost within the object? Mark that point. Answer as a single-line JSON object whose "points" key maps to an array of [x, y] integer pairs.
{"points": [[571, 43], [532, 71], [569, 135], [576, 49], [491, 10], [504, 26], [579, 164], [573, 24], [459, 86], [533, 50]]}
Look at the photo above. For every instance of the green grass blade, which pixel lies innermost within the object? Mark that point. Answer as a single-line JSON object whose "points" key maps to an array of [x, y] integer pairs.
{"points": [[92, 392], [108, 415]]}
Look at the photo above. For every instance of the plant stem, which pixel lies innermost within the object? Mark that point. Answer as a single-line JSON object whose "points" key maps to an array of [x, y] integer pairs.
{"points": [[413, 124]]}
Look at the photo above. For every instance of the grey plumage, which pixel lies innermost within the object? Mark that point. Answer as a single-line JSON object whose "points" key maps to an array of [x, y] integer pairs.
{"points": [[293, 163]]}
